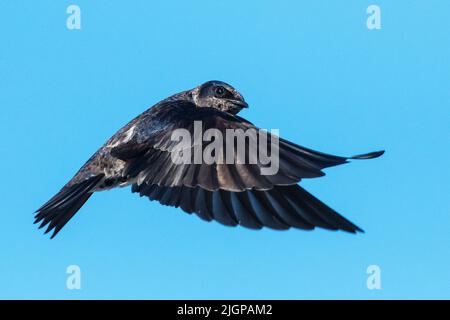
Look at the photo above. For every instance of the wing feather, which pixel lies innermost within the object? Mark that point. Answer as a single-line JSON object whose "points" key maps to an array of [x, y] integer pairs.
{"points": [[279, 208], [154, 147]]}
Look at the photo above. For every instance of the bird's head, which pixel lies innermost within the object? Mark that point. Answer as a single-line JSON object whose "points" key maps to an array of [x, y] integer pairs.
{"points": [[219, 95]]}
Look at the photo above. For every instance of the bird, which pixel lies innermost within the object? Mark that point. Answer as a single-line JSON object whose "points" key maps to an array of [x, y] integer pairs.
{"points": [[140, 155]]}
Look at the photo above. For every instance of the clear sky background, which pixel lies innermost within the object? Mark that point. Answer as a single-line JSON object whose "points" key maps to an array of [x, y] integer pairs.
{"points": [[309, 68]]}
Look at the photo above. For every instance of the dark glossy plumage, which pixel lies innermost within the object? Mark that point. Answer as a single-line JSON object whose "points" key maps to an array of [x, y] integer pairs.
{"points": [[140, 153]]}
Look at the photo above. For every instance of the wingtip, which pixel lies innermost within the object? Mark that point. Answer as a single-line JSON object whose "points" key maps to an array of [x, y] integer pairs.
{"points": [[354, 229], [370, 155]]}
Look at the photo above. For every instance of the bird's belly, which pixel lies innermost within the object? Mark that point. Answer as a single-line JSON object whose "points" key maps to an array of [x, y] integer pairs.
{"points": [[114, 177], [110, 183]]}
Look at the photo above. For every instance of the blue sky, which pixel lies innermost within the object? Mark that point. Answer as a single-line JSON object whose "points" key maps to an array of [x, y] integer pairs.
{"points": [[312, 69]]}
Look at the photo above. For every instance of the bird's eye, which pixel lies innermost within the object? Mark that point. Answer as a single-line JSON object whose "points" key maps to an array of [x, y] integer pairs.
{"points": [[219, 91]]}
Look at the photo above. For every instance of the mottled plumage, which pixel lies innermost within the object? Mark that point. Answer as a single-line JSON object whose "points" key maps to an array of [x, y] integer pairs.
{"points": [[139, 154]]}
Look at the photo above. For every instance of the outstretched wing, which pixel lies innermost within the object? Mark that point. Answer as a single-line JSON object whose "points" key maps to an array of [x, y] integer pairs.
{"points": [[279, 208], [149, 154]]}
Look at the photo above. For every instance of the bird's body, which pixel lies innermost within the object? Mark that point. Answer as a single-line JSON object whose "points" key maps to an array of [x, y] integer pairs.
{"points": [[102, 162], [140, 154]]}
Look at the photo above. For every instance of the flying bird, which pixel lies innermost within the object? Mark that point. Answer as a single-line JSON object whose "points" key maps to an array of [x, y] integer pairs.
{"points": [[140, 155]]}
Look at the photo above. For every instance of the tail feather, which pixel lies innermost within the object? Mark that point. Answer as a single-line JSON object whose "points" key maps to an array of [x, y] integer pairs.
{"points": [[62, 207]]}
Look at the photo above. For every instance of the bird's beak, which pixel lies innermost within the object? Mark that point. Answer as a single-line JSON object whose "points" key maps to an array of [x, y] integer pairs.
{"points": [[240, 104]]}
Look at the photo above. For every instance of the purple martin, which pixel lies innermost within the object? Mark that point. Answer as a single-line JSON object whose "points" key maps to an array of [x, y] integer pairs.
{"points": [[140, 155]]}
